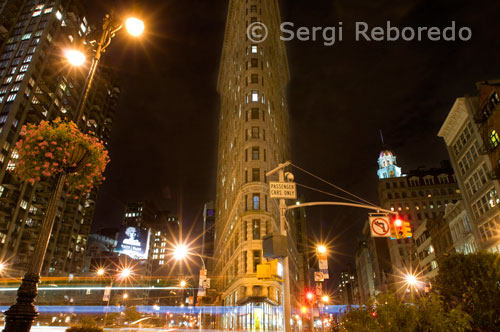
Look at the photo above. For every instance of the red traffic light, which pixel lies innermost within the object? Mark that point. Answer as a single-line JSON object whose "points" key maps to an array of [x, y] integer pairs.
{"points": [[374, 314], [310, 296]]}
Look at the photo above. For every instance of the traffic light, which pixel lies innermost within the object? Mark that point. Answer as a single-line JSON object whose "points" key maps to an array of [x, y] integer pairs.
{"points": [[400, 228], [397, 228], [309, 296], [407, 229], [303, 309]]}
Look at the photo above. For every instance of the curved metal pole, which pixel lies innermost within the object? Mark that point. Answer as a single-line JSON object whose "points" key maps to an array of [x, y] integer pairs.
{"points": [[362, 206]]}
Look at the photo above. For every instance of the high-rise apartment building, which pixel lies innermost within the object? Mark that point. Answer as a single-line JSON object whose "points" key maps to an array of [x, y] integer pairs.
{"points": [[474, 169], [36, 84], [253, 139]]}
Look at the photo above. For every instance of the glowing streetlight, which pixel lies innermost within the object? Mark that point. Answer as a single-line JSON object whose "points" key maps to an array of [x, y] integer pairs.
{"points": [[321, 249], [2, 267], [75, 57], [125, 273], [325, 298], [134, 26], [100, 272], [411, 280], [180, 252], [125, 296], [183, 283]]}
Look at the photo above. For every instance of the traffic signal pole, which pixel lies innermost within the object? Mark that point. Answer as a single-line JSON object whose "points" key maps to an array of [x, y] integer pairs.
{"points": [[283, 208], [286, 266]]}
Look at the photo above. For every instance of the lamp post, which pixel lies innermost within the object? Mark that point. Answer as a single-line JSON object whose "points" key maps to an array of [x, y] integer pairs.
{"points": [[21, 315], [180, 252], [110, 27], [124, 274]]}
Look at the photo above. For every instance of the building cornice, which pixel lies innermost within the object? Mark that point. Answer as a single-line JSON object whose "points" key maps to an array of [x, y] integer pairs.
{"points": [[454, 121]]}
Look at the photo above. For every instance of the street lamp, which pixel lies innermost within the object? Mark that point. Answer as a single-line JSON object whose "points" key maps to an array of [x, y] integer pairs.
{"points": [[74, 57], [180, 252], [183, 283], [21, 315], [134, 26], [325, 299], [321, 249], [110, 26], [100, 272]]}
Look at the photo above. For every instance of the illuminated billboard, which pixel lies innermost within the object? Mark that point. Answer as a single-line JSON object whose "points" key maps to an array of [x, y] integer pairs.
{"points": [[133, 242]]}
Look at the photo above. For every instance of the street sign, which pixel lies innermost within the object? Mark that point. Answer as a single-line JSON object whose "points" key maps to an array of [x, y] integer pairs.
{"points": [[284, 190], [318, 276], [323, 265], [380, 226]]}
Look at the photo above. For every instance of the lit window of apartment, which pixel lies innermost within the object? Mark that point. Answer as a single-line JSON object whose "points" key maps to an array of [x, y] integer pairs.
{"points": [[256, 201], [255, 96], [27, 59], [494, 139], [24, 68], [26, 36], [19, 77], [254, 49], [36, 13], [11, 97]]}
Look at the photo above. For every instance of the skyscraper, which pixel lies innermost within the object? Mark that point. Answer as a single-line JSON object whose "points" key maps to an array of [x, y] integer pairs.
{"points": [[253, 139], [35, 85]]}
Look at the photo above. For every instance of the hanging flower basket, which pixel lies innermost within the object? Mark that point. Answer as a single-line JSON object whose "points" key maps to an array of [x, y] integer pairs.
{"points": [[50, 148]]}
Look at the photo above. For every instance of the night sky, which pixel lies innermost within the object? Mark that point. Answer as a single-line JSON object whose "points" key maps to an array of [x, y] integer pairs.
{"points": [[164, 141]]}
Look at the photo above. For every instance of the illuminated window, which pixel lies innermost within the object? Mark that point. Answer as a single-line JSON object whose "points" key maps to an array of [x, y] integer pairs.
{"points": [[256, 201], [7, 80], [19, 77], [58, 15], [26, 36], [494, 139], [255, 96], [24, 68], [37, 13], [256, 229], [11, 97], [254, 49]]}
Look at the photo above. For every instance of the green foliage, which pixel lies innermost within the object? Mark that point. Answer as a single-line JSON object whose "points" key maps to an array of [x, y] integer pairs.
{"points": [[390, 314], [472, 282]]}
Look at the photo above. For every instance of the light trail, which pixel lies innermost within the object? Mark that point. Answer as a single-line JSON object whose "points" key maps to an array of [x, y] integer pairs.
{"points": [[56, 288]]}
